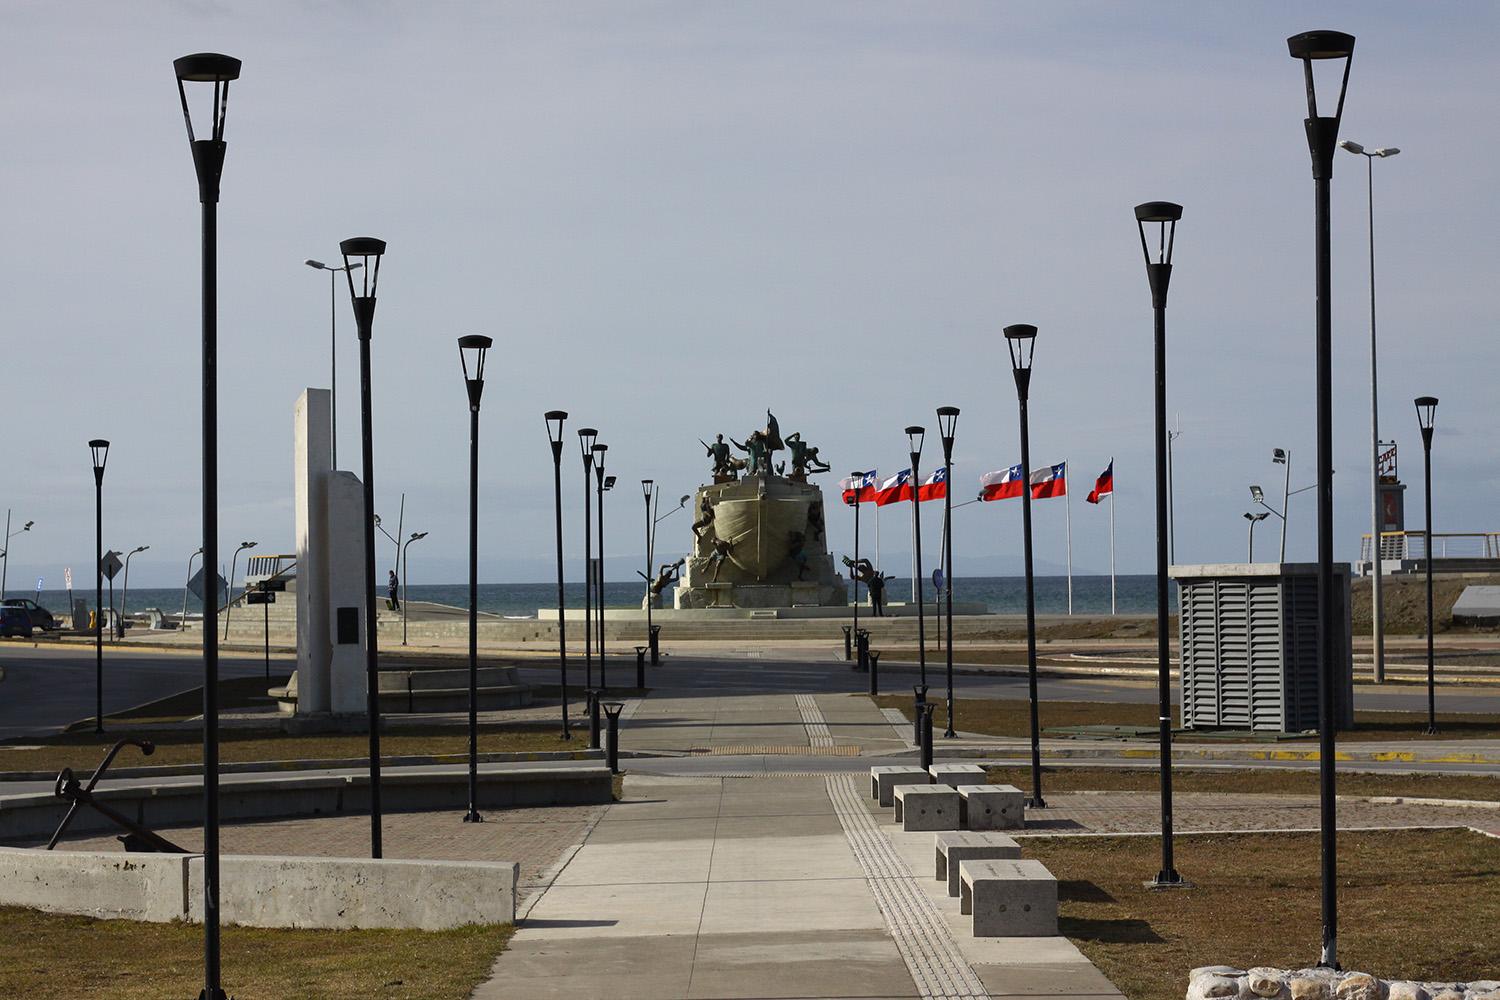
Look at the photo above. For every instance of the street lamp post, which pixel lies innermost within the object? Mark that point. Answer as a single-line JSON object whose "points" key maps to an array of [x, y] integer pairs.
{"points": [[1283, 457], [208, 163], [182, 621], [125, 593], [1322, 135], [362, 301], [1020, 338], [472, 351], [5, 555], [333, 353], [416, 536], [1377, 605], [648, 488], [1254, 519], [947, 425], [554, 421], [599, 450], [656, 519], [1426, 407], [914, 438], [100, 451], [229, 603], [1164, 216], [586, 438]]}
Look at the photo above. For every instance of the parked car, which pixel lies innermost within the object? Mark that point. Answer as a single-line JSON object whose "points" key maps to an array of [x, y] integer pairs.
{"points": [[14, 621], [40, 617]]}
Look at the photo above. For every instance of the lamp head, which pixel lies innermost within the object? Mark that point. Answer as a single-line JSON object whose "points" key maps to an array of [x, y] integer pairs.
{"points": [[1387, 151], [1322, 132], [99, 448], [947, 424], [1426, 410], [472, 350], [599, 450], [1021, 339], [586, 438], [27, 525], [1257, 494], [1278, 456], [609, 483], [417, 536], [682, 500], [647, 486], [914, 438], [362, 298], [316, 264], [554, 420], [1351, 146], [1163, 215], [248, 545], [208, 154]]}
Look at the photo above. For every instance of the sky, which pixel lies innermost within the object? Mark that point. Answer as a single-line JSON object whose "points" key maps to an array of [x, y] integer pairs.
{"points": [[672, 216]]}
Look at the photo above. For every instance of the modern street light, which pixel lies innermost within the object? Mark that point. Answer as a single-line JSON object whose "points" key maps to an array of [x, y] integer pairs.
{"points": [[1426, 408], [362, 300], [1020, 338], [333, 353], [554, 420], [1258, 495], [416, 536], [99, 448], [947, 425], [599, 450], [5, 555], [586, 438], [182, 622], [125, 593], [233, 563], [648, 488], [1377, 604], [914, 437], [208, 164], [472, 351], [1322, 136], [1163, 215], [1254, 519]]}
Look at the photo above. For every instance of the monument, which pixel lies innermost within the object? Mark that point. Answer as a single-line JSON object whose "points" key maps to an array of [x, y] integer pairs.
{"points": [[759, 540]]}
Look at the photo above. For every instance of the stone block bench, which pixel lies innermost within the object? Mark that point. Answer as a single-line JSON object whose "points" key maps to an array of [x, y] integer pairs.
{"points": [[957, 774], [884, 778], [1008, 898], [926, 807], [958, 846], [991, 807]]}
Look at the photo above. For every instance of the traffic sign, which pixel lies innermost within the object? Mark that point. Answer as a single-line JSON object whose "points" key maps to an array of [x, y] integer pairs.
{"points": [[937, 578], [68, 577], [195, 586], [110, 564], [260, 597]]}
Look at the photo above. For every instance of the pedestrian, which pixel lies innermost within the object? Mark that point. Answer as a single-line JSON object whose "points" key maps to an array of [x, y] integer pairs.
{"points": [[876, 586], [392, 584]]}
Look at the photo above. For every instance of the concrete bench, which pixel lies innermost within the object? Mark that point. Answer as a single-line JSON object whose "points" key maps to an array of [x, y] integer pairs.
{"points": [[1008, 898], [958, 846], [957, 774], [926, 807], [884, 779], [991, 807]]}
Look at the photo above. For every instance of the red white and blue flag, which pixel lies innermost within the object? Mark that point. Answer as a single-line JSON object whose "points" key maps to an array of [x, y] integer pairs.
{"points": [[1050, 481], [1104, 486], [1001, 485], [859, 488], [935, 486], [895, 489]]}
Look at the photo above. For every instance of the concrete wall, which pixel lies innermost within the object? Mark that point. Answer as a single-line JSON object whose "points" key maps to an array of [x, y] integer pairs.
{"points": [[312, 448], [95, 883]]}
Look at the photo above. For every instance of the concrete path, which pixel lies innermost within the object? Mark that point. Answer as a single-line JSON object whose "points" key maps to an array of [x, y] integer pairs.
{"points": [[768, 888]]}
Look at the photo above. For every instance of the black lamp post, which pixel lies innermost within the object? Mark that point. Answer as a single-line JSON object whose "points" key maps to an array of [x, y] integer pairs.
{"points": [[1163, 216], [362, 298], [1020, 338], [648, 489], [554, 420], [599, 450], [947, 424], [914, 438], [1322, 140], [472, 351], [99, 448], [208, 164], [858, 479], [1426, 407], [586, 438]]}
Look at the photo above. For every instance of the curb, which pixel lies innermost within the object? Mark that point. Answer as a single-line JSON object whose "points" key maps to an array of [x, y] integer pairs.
{"points": [[1214, 753]]}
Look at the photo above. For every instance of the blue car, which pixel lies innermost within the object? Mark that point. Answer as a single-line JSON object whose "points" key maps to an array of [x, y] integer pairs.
{"points": [[15, 622]]}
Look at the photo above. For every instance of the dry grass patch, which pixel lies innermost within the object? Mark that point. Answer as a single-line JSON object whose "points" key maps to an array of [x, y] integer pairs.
{"points": [[1245, 781]]}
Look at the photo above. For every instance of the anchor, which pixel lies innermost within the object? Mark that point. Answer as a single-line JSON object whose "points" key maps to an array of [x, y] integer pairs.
{"points": [[137, 837]]}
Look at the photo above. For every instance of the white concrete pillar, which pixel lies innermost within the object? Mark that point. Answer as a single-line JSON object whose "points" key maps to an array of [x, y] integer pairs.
{"points": [[313, 463]]}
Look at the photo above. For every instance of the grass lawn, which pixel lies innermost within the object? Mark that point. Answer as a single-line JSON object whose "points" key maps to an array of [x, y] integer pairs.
{"points": [[1267, 781], [44, 955], [1012, 717], [1412, 904]]}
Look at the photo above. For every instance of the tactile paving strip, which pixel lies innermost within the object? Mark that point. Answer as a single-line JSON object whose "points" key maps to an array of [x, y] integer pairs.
{"points": [[813, 721], [921, 933]]}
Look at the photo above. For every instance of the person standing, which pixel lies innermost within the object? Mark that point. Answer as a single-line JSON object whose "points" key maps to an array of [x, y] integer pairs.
{"points": [[876, 586], [393, 586]]}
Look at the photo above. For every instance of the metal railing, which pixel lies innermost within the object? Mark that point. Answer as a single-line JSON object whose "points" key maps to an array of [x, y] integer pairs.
{"points": [[1398, 545]]}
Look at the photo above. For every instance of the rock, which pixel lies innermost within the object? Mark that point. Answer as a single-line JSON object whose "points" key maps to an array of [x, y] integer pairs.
{"points": [[1360, 986], [1401, 990], [1215, 970], [1486, 995], [1448, 993], [1211, 986], [1267, 982], [1305, 987]]}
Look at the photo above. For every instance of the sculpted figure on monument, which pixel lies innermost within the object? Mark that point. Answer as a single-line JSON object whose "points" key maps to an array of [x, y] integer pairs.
{"points": [[707, 520], [804, 457], [721, 552], [725, 464], [665, 574], [759, 460], [797, 552]]}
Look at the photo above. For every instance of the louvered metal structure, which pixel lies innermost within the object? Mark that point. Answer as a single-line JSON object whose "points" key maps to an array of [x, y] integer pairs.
{"points": [[1249, 637]]}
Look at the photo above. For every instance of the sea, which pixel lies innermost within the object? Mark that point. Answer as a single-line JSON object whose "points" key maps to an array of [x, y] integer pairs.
{"points": [[1134, 594]]}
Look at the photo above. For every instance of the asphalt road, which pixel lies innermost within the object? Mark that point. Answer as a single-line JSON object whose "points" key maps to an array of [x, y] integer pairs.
{"points": [[48, 688]]}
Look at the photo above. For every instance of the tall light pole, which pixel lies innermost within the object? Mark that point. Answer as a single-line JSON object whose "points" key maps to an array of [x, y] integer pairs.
{"points": [[471, 355], [1163, 216], [233, 564], [362, 300], [125, 594], [99, 448], [914, 437], [208, 163], [599, 450], [182, 622], [947, 426], [333, 352], [554, 420], [1426, 409], [648, 488], [5, 555], [1322, 136], [416, 536], [1377, 604], [586, 438], [1283, 457], [1254, 519], [1020, 338]]}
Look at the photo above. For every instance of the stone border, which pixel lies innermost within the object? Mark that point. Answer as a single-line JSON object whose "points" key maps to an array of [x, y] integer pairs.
{"points": [[1223, 981]]}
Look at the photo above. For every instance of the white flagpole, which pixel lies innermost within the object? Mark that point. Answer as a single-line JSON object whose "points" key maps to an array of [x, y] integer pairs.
{"points": [[878, 562], [1112, 545], [1068, 522]]}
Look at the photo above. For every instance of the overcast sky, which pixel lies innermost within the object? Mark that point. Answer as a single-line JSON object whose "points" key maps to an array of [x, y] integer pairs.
{"points": [[671, 216]]}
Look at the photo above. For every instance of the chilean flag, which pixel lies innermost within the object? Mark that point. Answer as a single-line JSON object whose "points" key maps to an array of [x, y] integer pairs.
{"points": [[859, 488], [1104, 486], [895, 489], [1001, 485], [935, 486], [1051, 481]]}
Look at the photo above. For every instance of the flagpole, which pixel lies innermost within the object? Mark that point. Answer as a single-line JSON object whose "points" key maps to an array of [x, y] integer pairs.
{"points": [[1068, 522], [1112, 609], [916, 508]]}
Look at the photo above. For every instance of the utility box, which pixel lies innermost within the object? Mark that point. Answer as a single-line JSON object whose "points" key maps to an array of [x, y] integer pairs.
{"points": [[1249, 634]]}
